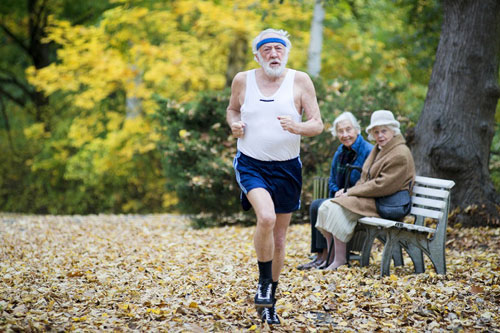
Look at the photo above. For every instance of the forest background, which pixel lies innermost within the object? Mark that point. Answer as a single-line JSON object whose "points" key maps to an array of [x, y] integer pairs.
{"points": [[119, 106]]}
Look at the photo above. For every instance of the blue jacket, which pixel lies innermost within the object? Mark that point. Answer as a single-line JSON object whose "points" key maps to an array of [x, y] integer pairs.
{"points": [[362, 149]]}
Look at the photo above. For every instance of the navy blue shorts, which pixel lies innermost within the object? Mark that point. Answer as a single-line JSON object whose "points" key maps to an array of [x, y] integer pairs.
{"points": [[282, 179]]}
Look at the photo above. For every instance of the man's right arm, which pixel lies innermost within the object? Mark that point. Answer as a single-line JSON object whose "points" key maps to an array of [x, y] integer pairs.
{"points": [[233, 112]]}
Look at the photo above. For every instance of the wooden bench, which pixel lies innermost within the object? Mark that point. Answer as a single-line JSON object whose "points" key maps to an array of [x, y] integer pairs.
{"points": [[430, 205], [358, 241]]}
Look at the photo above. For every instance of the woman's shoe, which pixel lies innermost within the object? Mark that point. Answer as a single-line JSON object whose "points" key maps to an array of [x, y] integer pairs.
{"points": [[310, 265], [323, 265]]}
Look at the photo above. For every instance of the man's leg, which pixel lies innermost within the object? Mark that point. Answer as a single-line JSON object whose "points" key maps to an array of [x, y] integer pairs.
{"points": [[266, 219], [269, 315], [263, 206], [280, 229]]}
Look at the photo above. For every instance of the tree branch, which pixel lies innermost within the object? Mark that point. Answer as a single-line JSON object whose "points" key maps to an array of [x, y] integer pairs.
{"points": [[16, 100], [91, 14], [36, 18], [14, 37], [7, 126], [354, 8], [13, 80]]}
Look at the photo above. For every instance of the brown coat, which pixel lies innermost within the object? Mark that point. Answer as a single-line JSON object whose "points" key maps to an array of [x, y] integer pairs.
{"points": [[385, 172]]}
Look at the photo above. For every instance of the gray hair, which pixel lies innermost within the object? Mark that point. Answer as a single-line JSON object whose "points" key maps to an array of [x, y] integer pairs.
{"points": [[282, 33], [345, 116], [393, 128]]}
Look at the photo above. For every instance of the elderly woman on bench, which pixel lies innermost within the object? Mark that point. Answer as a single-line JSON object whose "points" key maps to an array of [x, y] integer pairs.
{"points": [[388, 169], [354, 150]]}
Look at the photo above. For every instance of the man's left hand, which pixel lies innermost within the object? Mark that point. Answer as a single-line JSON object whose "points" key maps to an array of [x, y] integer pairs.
{"points": [[287, 123]]}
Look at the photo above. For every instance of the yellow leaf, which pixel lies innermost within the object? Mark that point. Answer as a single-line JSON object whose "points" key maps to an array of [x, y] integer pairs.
{"points": [[253, 328], [183, 133], [394, 277]]}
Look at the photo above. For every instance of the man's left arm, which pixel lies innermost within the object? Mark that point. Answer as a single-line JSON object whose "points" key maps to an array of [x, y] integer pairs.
{"points": [[305, 95]]}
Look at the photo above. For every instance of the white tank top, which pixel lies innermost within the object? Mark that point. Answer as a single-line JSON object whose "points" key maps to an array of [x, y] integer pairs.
{"points": [[264, 137]]}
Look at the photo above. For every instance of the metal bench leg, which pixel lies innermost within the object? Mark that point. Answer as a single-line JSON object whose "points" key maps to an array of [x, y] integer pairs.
{"points": [[385, 266], [371, 234], [416, 256], [437, 256], [397, 253], [348, 251]]}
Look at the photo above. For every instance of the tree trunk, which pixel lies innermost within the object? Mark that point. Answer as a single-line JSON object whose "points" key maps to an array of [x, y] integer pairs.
{"points": [[237, 58], [454, 133], [38, 51], [316, 43]]}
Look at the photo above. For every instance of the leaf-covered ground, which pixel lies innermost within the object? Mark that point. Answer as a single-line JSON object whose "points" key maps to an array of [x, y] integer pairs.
{"points": [[155, 273]]}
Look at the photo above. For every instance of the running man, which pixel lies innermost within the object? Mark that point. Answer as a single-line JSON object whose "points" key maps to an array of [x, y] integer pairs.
{"points": [[265, 113]]}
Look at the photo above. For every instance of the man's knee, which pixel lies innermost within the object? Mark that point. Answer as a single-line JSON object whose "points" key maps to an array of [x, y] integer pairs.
{"points": [[266, 220]]}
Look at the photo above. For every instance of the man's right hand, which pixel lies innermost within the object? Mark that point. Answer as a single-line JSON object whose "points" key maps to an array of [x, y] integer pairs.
{"points": [[238, 129]]}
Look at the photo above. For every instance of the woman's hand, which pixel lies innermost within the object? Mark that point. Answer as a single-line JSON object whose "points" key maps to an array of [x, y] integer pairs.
{"points": [[340, 193]]}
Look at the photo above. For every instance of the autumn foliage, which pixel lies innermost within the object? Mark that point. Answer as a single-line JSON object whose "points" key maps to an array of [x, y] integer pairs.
{"points": [[155, 273]]}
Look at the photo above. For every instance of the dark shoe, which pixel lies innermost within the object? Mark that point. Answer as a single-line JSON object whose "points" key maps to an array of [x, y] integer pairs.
{"points": [[323, 265], [269, 315], [310, 265], [264, 297]]}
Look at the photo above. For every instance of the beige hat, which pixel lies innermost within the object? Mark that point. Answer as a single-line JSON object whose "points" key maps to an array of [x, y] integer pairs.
{"points": [[382, 118]]}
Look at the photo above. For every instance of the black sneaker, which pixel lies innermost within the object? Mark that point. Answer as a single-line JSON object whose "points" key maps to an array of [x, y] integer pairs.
{"points": [[268, 315], [264, 297]]}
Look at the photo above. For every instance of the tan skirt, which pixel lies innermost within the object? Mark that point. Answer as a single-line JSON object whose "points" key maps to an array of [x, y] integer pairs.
{"points": [[337, 220]]}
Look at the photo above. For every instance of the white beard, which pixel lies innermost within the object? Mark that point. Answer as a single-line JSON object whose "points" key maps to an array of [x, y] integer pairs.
{"points": [[273, 72]]}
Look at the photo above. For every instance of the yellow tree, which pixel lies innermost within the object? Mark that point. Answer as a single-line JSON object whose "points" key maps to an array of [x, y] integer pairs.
{"points": [[135, 53]]}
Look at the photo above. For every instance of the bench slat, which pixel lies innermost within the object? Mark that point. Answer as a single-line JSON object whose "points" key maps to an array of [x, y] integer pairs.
{"points": [[443, 183], [413, 227], [378, 222], [428, 202], [426, 212], [444, 194]]}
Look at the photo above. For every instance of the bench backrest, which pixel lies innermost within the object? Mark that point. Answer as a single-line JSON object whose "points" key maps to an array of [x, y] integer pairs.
{"points": [[431, 197]]}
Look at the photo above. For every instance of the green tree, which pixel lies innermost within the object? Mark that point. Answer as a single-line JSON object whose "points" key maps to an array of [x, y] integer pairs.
{"points": [[454, 135]]}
